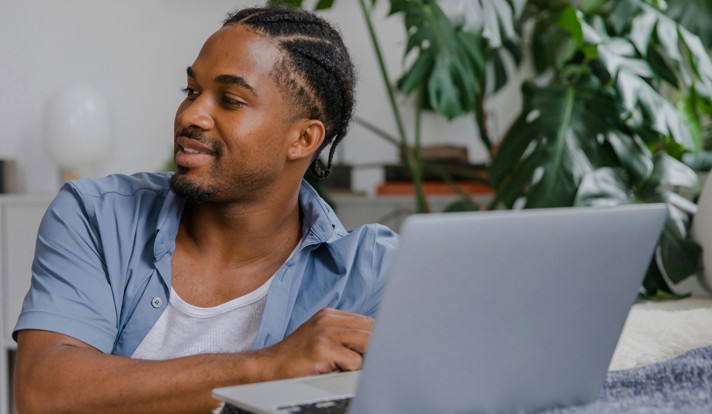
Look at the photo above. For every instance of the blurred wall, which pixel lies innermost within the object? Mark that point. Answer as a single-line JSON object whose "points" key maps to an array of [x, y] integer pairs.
{"points": [[135, 52]]}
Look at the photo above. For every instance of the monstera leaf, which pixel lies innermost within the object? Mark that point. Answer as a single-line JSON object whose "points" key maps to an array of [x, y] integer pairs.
{"points": [[673, 55], [694, 15], [447, 60], [493, 18], [561, 135]]}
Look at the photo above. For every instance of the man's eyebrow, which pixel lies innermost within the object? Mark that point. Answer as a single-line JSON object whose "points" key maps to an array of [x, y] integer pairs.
{"points": [[235, 80], [226, 80]]}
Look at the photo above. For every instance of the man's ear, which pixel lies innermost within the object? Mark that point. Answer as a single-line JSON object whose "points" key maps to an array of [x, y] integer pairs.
{"points": [[311, 136]]}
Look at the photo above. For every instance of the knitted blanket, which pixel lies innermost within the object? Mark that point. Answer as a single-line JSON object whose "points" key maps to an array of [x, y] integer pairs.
{"points": [[679, 385]]}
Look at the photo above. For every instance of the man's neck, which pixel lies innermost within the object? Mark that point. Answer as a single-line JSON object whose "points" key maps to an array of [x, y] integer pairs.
{"points": [[241, 232], [224, 251]]}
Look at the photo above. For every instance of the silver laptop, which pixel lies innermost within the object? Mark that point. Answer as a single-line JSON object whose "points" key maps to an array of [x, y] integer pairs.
{"points": [[491, 312]]}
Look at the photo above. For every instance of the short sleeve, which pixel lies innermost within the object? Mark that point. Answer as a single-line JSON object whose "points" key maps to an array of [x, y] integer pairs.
{"points": [[70, 292]]}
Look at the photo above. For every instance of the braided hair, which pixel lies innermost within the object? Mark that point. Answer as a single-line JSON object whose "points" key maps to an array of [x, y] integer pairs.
{"points": [[315, 69]]}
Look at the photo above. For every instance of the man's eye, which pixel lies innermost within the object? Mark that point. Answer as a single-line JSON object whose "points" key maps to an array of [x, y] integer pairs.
{"points": [[190, 92], [232, 102]]}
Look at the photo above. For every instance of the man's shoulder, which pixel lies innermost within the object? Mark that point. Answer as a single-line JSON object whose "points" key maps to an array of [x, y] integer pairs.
{"points": [[369, 245], [326, 226], [374, 234], [118, 195], [122, 184]]}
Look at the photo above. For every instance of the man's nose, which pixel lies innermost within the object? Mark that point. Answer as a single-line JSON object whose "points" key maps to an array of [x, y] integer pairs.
{"points": [[197, 114]]}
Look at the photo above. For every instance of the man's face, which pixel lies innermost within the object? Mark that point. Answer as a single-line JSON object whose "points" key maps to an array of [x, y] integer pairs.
{"points": [[232, 131]]}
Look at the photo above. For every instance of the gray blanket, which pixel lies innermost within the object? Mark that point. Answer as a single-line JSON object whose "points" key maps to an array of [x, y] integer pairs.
{"points": [[679, 385]]}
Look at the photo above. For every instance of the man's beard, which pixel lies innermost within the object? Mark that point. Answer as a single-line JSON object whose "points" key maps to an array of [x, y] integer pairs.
{"points": [[180, 184], [222, 184], [190, 192]]}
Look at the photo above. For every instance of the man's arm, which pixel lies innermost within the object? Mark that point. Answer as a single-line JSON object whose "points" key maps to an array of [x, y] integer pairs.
{"points": [[59, 374]]}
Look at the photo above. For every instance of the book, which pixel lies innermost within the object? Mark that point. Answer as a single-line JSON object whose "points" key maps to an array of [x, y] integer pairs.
{"points": [[434, 188], [437, 171], [8, 176]]}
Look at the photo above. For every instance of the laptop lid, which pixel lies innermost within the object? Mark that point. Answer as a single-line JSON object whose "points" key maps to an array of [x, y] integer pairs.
{"points": [[506, 311], [494, 312]]}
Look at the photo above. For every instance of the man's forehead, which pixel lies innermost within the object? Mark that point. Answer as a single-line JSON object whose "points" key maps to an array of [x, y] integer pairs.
{"points": [[238, 40], [235, 50]]}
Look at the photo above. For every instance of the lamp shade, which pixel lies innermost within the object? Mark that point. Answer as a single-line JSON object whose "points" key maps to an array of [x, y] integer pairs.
{"points": [[77, 134]]}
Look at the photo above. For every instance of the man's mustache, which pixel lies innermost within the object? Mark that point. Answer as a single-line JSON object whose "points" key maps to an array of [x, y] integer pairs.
{"points": [[192, 134]]}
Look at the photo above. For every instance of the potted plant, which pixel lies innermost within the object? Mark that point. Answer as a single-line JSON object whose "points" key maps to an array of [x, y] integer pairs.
{"points": [[618, 97]]}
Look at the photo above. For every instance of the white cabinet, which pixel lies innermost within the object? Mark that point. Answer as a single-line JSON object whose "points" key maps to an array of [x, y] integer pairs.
{"points": [[20, 217]]}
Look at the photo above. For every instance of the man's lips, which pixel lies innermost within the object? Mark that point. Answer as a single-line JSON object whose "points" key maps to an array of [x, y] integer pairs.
{"points": [[191, 146], [191, 153]]}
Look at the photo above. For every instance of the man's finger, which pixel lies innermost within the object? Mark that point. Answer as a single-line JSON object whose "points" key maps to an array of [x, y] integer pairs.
{"points": [[354, 339], [348, 360], [335, 317]]}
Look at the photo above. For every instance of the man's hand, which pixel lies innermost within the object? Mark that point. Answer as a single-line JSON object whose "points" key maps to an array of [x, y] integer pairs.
{"points": [[330, 340]]}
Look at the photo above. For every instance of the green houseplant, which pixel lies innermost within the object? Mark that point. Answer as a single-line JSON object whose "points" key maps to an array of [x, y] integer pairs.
{"points": [[618, 96], [604, 129]]}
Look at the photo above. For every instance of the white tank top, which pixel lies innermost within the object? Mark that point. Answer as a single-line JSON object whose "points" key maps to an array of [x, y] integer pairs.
{"points": [[184, 329]]}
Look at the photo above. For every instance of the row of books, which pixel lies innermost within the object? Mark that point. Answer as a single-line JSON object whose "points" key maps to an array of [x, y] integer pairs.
{"points": [[439, 178]]}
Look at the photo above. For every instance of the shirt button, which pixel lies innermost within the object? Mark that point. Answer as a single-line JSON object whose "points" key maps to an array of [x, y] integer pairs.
{"points": [[156, 302]]}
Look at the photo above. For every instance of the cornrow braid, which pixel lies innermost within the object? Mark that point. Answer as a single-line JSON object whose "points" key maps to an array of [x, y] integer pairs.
{"points": [[315, 69]]}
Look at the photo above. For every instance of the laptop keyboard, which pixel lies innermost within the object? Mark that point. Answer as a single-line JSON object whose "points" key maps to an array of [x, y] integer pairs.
{"points": [[323, 407]]}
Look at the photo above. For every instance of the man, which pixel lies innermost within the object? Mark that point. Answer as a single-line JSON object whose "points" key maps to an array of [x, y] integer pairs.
{"points": [[146, 295]]}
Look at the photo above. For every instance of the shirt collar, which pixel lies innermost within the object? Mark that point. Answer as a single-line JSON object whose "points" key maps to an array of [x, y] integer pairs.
{"points": [[320, 224]]}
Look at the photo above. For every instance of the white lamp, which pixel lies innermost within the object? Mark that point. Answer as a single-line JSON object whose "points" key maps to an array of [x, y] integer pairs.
{"points": [[76, 130]]}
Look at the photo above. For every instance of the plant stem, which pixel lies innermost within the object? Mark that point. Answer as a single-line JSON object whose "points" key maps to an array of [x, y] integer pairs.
{"points": [[384, 72], [421, 200], [481, 118], [411, 158], [376, 130]]}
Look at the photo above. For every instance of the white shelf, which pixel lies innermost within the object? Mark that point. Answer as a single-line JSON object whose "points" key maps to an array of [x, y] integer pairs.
{"points": [[20, 217]]}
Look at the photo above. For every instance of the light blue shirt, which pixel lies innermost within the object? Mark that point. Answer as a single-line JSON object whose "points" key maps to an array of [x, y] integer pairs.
{"points": [[102, 267]]}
